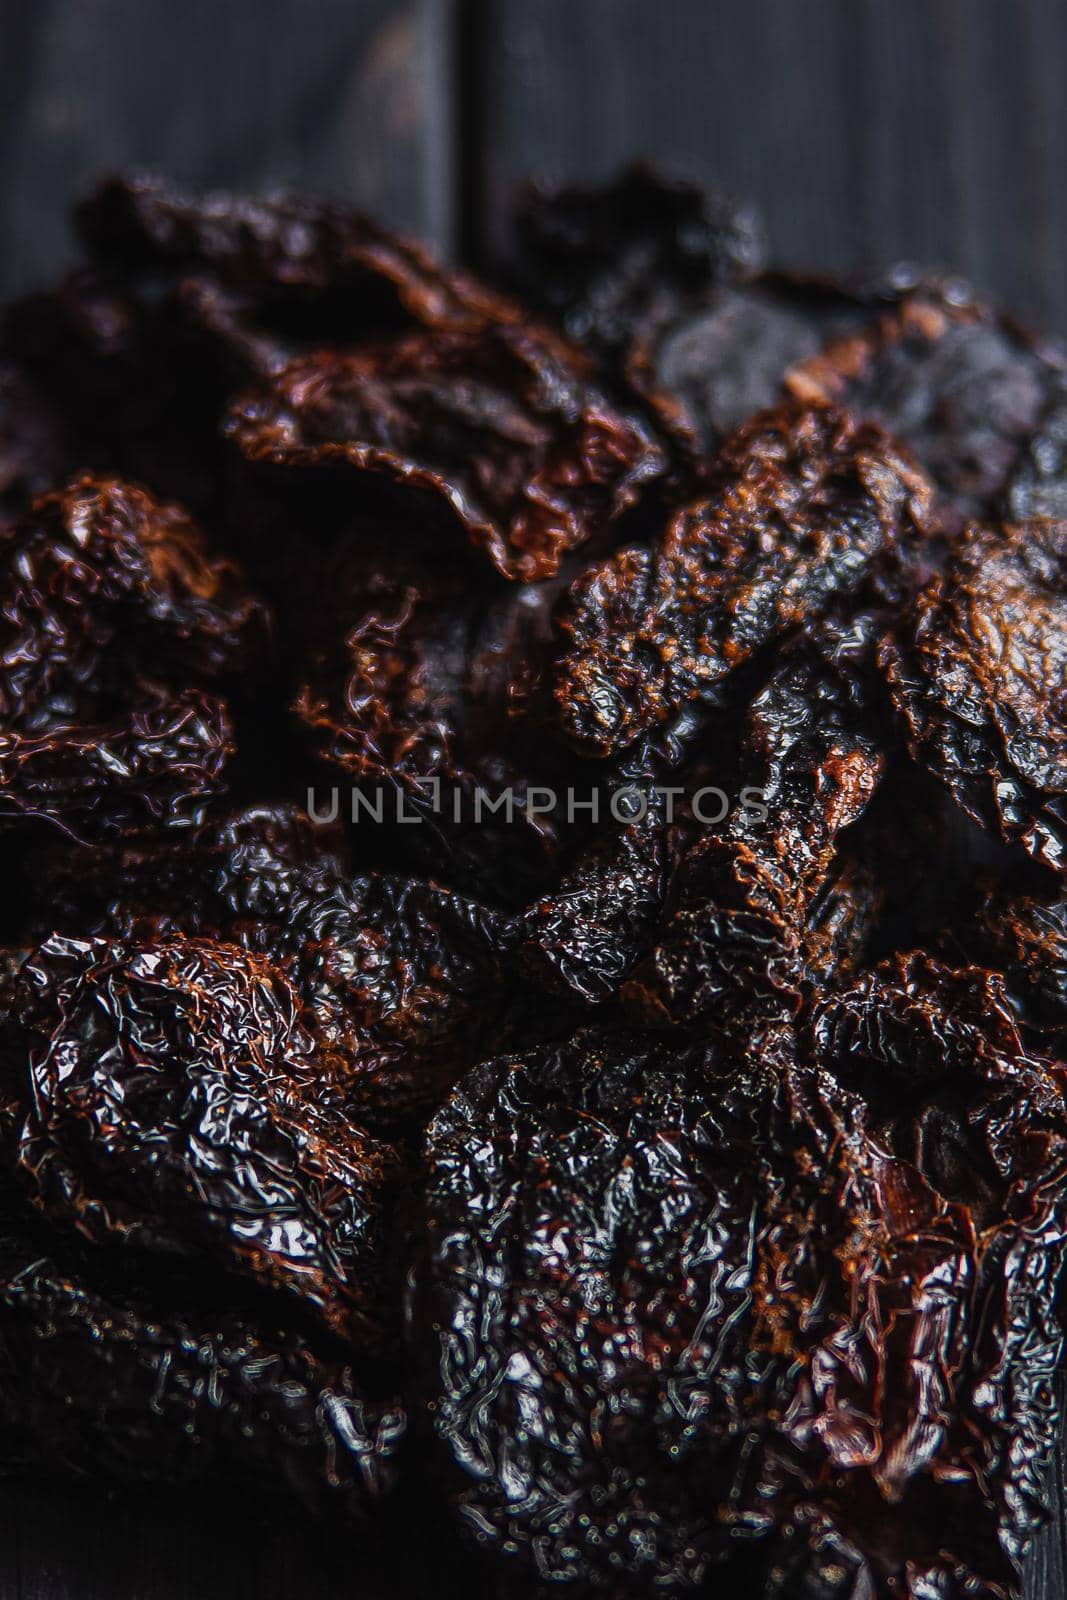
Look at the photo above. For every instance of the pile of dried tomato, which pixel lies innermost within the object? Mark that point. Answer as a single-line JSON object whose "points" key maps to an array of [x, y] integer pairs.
{"points": [[415, 1089]]}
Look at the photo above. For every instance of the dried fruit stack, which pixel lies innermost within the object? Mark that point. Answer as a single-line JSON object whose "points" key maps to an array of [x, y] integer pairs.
{"points": [[673, 1200]]}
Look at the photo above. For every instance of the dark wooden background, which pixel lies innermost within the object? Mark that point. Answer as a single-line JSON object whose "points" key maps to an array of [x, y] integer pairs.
{"points": [[934, 130], [867, 129]]}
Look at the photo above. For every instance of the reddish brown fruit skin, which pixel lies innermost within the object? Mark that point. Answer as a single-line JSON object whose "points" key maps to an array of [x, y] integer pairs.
{"points": [[161, 764], [807, 505], [978, 677], [177, 1103], [500, 427], [429, 688], [100, 582], [762, 912], [959, 385], [284, 250], [731, 1220], [115, 619], [101, 1381], [1024, 936], [400, 984], [671, 1303]]}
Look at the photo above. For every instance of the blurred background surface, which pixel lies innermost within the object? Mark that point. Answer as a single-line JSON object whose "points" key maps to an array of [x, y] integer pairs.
{"points": [[866, 130]]}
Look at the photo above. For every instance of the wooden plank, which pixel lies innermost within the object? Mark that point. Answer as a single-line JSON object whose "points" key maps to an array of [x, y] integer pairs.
{"points": [[747, 97], [346, 97], [1042, 43], [867, 130]]}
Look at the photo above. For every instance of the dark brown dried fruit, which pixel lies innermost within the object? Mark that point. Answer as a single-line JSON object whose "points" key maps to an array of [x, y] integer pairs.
{"points": [[978, 677], [806, 505], [299, 261], [106, 596], [99, 1380], [581, 937], [584, 935], [763, 1298], [587, 1232], [760, 908], [707, 367], [99, 582], [500, 427], [677, 1311], [176, 1103], [429, 698], [606, 260], [950, 1176], [161, 763], [1022, 935], [961, 387], [402, 982]]}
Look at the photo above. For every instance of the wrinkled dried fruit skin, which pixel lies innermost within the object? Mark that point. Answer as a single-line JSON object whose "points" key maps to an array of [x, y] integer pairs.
{"points": [[667, 285], [915, 1022], [743, 1274], [949, 1091], [587, 1217], [842, 918], [957, 384], [1027, 939], [935, 1341], [605, 260], [978, 675], [101, 581], [584, 935], [404, 981], [433, 689], [676, 1313], [807, 504], [706, 368], [178, 1104], [400, 980], [99, 1381], [190, 299], [579, 938], [241, 868], [106, 596], [500, 426], [288, 255], [160, 764], [122, 888], [755, 904], [1024, 937]]}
